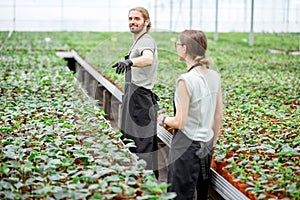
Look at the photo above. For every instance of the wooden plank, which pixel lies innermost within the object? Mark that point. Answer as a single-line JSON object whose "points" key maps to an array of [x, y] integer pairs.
{"points": [[99, 94], [86, 82], [107, 103], [114, 109], [77, 68], [81, 74], [115, 113], [119, 115], [94, 85]]}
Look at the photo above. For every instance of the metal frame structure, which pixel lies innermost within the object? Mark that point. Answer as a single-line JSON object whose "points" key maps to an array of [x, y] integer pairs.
{"points": [[265, 16]]}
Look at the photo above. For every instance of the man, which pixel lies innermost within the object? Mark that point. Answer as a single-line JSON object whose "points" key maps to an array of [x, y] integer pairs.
{"points": [[139, 104]]}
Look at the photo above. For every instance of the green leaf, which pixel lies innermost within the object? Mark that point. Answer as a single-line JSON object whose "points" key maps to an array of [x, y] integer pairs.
{"points": [[4, 170], [112, 178], [115, 189], [5, 185], [93, 186], [169, 195], [109, 196], [106, 171]]}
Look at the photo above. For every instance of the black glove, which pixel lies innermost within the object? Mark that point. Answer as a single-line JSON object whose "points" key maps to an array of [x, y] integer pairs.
{"points": [[122, 66]]}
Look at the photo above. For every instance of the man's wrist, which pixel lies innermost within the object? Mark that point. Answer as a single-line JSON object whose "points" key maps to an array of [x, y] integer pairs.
{"points": [[129, 62]]}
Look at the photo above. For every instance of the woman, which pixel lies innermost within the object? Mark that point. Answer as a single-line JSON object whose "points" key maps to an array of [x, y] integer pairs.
{"points": [[197, 120]]}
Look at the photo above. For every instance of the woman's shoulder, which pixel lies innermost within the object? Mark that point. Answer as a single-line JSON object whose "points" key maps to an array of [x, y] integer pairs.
{"points": [[184, 76], [212, 72]]}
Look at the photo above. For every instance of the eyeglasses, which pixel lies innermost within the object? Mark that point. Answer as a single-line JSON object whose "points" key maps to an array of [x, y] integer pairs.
{"points": [[178, 43]]}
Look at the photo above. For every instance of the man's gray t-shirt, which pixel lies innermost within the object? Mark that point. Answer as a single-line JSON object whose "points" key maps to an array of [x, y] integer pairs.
{"points": [[144, 76]]}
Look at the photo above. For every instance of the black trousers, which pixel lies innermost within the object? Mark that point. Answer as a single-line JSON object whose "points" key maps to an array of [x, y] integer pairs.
{"points": [[189, 167]]}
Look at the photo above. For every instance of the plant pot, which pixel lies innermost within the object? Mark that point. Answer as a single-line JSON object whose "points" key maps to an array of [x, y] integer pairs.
{"points": [[227, 176], [252, 196], [240, 186], [220, 166], [213, 163]]}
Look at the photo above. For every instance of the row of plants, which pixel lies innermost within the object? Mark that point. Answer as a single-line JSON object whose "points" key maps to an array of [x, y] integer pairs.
{"points": [[259, 145], [3, 35], [54, 41], [56, 143]]}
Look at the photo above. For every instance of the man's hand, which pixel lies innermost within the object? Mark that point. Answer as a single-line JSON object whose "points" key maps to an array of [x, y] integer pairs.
{"points": [[122, 66]]}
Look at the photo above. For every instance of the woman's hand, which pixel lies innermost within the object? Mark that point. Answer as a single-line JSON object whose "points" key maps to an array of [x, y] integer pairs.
{"points": [[160, 120]]}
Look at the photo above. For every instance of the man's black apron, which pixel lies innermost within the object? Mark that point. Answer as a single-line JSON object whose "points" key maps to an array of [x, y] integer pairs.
{"points": [[139, 121]]}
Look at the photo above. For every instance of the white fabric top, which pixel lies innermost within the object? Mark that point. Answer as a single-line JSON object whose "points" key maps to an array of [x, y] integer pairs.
{"points": [[202, 90]]}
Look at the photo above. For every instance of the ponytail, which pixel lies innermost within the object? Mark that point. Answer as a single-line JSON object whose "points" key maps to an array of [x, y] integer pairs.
{"points": [[204, 61]]}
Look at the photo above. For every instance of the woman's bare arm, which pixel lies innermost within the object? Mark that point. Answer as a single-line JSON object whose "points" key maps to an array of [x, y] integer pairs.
{"points": [[179, 120], [218, 117]]}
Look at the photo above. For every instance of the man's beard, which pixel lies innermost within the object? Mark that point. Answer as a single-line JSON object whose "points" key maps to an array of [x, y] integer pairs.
{"points": [[136, 30]]}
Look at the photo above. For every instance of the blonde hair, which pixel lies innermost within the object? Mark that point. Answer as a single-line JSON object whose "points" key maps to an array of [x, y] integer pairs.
{"points": [[145, 14], [196, 43]]}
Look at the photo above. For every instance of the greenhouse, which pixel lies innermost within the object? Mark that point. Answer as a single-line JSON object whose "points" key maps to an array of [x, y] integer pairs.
{"points": [[61, 100]]}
